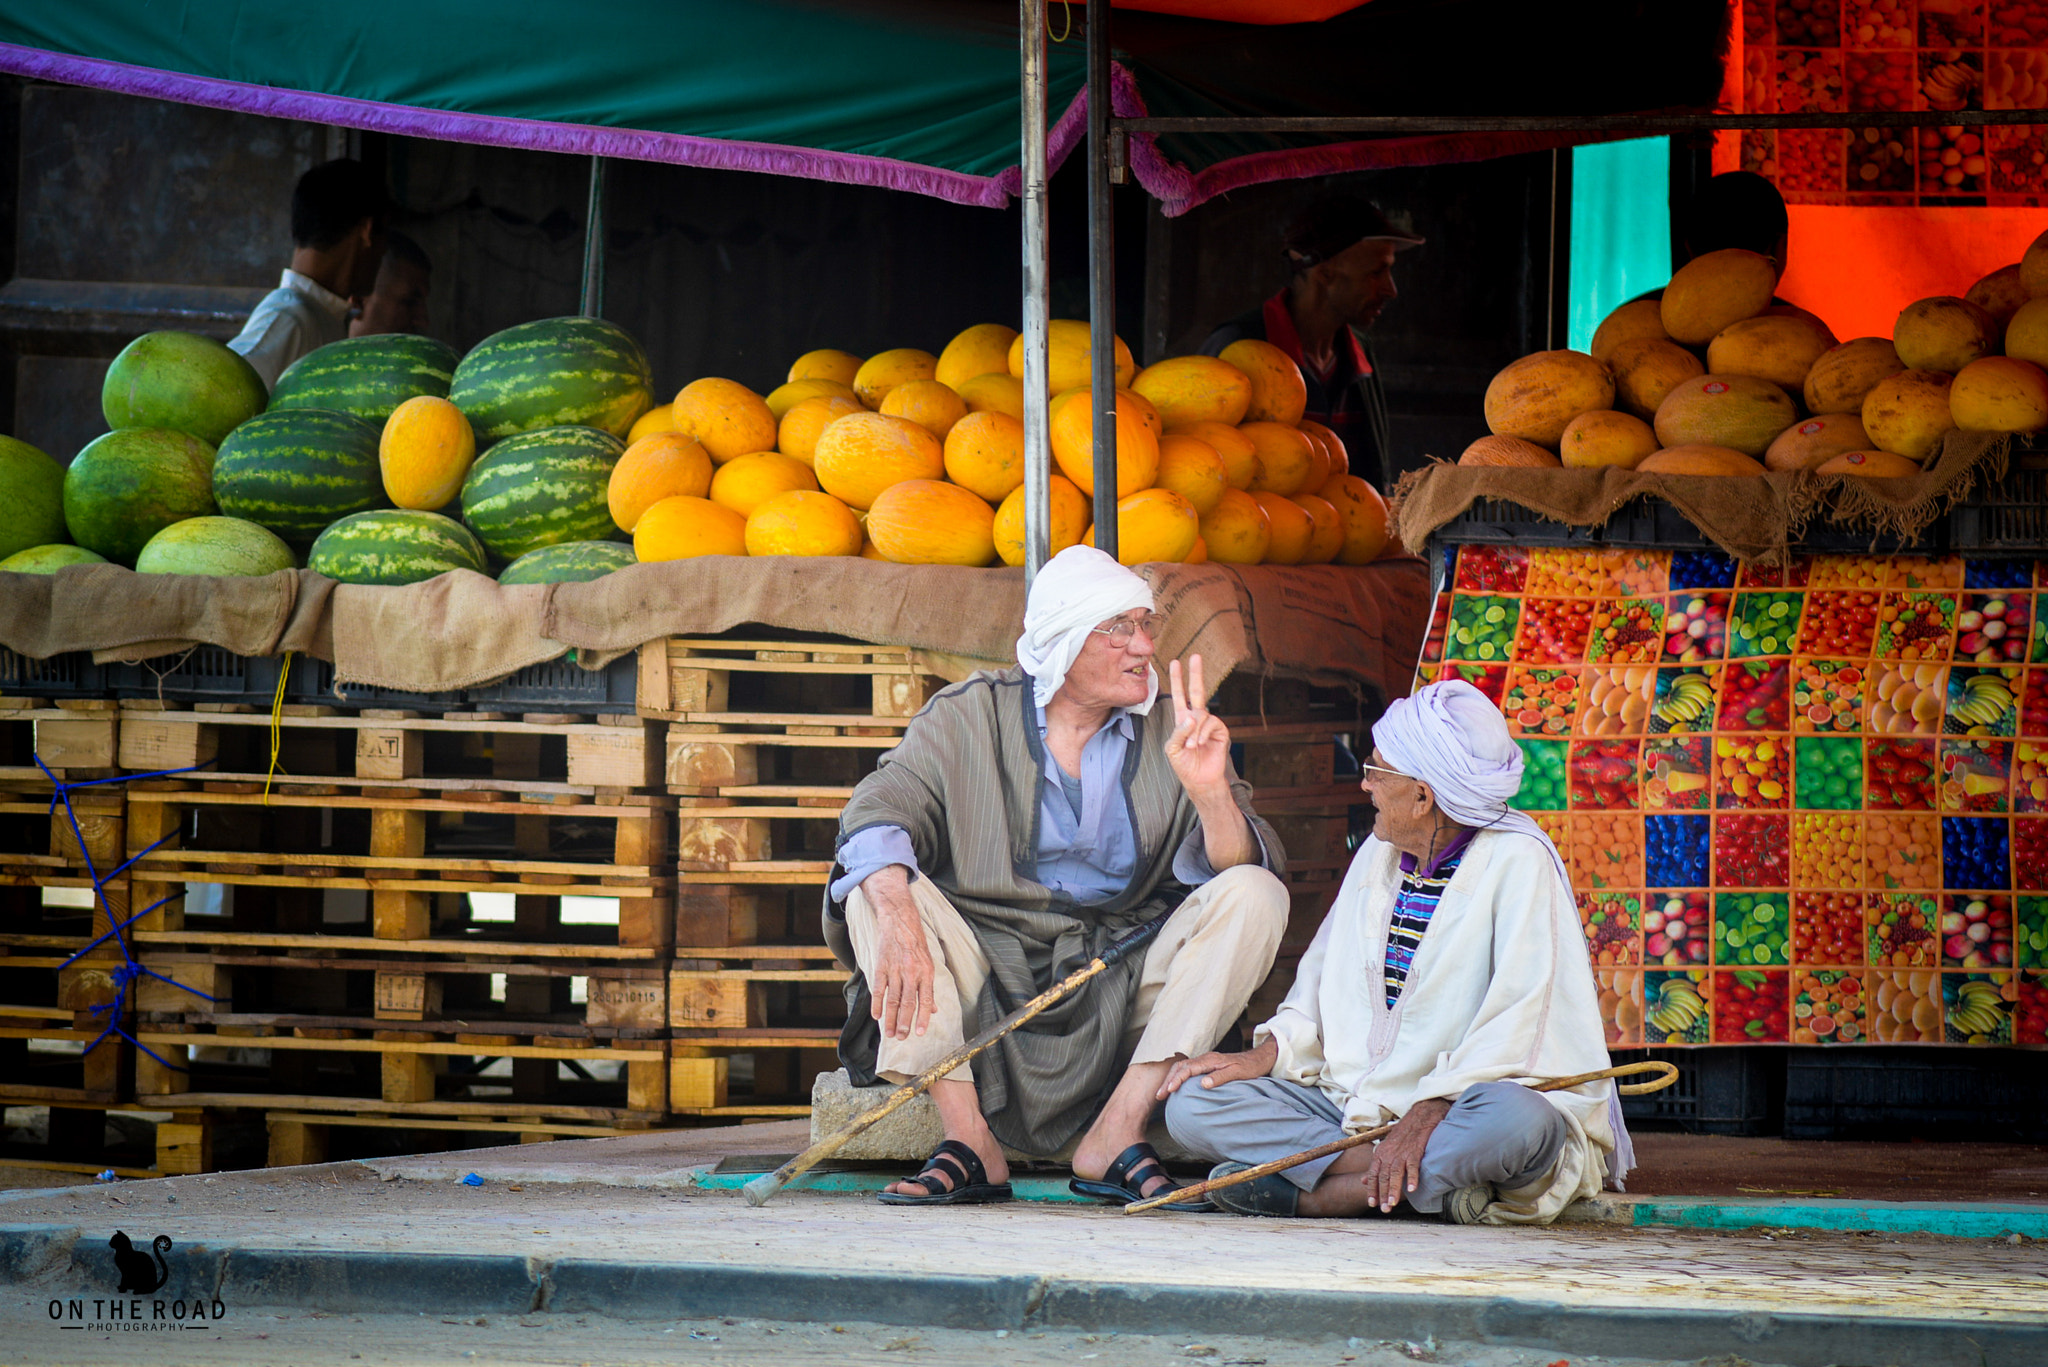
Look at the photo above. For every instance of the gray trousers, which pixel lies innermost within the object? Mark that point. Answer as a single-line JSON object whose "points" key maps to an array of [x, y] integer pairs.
{"points": [[1497, 1132]]}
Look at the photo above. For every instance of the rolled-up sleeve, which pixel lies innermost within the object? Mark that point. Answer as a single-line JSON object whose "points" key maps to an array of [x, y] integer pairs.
{"points": [[870, 851], [1191, 861]]}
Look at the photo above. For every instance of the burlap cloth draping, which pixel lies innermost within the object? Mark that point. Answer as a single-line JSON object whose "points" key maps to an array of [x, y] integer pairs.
{"points": [[1359, 627], [1751, 519]]}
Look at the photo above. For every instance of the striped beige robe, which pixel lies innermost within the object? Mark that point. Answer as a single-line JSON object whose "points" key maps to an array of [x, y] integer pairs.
{"points": [[966, 783]]}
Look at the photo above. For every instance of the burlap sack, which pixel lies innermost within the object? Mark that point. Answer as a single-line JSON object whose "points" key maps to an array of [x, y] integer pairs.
{"points": [[121, 616]]}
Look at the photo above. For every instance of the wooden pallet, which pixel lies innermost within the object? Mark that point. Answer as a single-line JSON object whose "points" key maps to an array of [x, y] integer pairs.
{"points": [[299, 1136], [720, 683], [105, 1075], [182, 1142], [76, 738]]}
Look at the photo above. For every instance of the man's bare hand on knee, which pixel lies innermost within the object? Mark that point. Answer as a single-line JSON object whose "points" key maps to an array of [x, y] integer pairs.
{"points": [[1396, 1166], [1215, 1069], [900, 985]]}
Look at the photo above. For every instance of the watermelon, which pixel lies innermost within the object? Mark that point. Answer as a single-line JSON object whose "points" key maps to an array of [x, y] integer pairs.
{"points": [[367, 377], [184, 382], [296, 470], [558, 372], [542, 488], [215, 546], [128, 485], [49, 559], [572, 562], [394, 546], [32, 492]]}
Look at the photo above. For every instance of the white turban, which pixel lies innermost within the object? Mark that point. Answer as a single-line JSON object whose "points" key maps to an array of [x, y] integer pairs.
{"points": [[1079, 589]]}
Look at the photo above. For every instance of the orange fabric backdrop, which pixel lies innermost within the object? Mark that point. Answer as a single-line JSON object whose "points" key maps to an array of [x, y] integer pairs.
{"points": [[1857, 266]]}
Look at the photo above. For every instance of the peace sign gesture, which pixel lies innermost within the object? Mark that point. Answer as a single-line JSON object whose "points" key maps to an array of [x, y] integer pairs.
{"points": [[1199, 748]]}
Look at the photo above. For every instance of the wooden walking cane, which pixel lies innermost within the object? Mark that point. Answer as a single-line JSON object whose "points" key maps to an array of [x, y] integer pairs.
{"points": [[765, 1186], [1667, 1074]]}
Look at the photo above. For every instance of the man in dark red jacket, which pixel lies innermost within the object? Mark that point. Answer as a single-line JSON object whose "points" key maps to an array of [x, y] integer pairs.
{"points": [[1341, 249]]}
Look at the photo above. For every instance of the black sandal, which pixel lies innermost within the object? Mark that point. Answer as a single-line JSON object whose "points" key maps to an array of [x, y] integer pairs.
{"points": [[954, 1162], [1125, 1181]]}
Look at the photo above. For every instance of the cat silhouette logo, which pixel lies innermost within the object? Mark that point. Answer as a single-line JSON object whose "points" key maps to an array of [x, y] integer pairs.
{"points": [[140, 1276], [139, 1303]]}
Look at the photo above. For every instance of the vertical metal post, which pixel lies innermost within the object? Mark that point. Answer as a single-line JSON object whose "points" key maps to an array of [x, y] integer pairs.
{"points": [[592, 305], [1101, 279], [1037, 273]]}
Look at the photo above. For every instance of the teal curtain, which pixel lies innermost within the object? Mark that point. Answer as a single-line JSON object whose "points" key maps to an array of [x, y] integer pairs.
{"points": [[1621, 228]]}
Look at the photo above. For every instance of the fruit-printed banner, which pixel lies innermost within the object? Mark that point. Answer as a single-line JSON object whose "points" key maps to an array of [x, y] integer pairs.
{"points": [[1804, 804]]}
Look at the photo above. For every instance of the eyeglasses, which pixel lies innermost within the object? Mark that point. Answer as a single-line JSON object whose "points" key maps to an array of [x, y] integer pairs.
{"points": [[1121, 630], [1383, 769]]}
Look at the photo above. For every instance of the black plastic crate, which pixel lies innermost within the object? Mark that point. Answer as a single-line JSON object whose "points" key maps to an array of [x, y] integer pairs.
{"points": [[1732, 1090], [312, 682], [2009, 518], [71, 675], [202, 674], [1872, 1092], [562, 685], [1652, 523]]}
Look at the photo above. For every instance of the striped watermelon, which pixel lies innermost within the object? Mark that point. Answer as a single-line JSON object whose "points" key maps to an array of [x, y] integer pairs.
{"points": [[367, 376], [296, 470], [572, 562], [49, 559], [558, 372], [215, 546], [542, 488], [394, 546], [130, 484]]}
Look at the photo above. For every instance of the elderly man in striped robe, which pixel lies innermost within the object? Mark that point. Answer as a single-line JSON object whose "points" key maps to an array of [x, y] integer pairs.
{"points": [[1028, 818]]}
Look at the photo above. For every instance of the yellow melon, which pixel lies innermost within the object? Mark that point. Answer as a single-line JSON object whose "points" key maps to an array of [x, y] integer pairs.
{"points": [[1806, 445], [2034, 267], [868, 551], [1907, 413], [884, 370], [803, 522], [931, 522], [1365, 518], [1067, 357], [1240, 454], [1725, 410], [682, 528], [660, 418], [1002, 393], [985, 453], [1699, 459], [1279, 394], [1285, 458], [825, 364], [1715, 289], [1870, 465], [1191, 468], [1637, 320], [1237, 530], [1536, 397], [1606, 438], [1148, 411], [665, 465], [862, 454], [1153, 526], [744, 483], [1321, 464], [1073, 446], [1289, 527], [797, 434], [1943, 333], [1196, 389], [1507, 451], [1779, 347], [727, 418], [2026, 336], [1070, 518], [1648, 368], [425, 452], [1340, 455], [1326, 532], [1843, 375], [929, 404], [1199, 555], [1999, 294], [782, 398], [2000, 394], [983, 349]]}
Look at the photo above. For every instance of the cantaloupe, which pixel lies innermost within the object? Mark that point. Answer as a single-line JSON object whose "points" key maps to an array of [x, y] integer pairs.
{"points": [[1320, 465], [2034, 267], [1196, 389], [1870, 465], [1606, 438], [1508, 451], [1943, 333], [864, 453], [1288, 528], [1738, 411], [985, 453], [994, 394], [983, 349], [1326, 532], [797, 434], [1648, 368], [664, 465], [1536, 397], [424, 453], [1070, 517], [660, 418], [1286, 460], [931, 522], [1153, 525], [1198, 556], [1279, 394], [784, 397], [1779, 347], [725, 417], [1999, 294], [1365, 519], [1237, 530], [825, 364], [1699, 459], [1067, 357], [1148, 412], [1806, 445], [1907, 413], [1715, 289], [744, 483], [884, 370], [2026, 335], [1843, 375], [2000, 394], [1191, 468], [929, 404], [803, 522], [683, 528], [1635, 321], [1073, 446], [1239, 452], [1340, 454]]}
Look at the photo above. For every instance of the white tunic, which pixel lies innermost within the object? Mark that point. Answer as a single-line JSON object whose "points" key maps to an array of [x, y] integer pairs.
{"points": [[1501, 988], [299, 316]]}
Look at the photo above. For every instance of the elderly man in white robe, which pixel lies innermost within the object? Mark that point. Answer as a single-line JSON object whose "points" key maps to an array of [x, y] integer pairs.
{"points": [[1450, 972]]}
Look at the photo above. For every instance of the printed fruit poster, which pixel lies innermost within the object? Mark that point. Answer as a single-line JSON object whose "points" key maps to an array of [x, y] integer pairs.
{"points": [[1805, 804]]}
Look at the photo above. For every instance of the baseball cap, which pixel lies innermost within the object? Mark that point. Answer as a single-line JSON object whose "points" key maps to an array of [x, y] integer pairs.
{"points": [[1335, 223]]}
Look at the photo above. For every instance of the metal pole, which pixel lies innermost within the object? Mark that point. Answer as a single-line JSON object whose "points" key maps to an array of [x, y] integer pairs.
{"points": [[592, 305], [1101, 280], [1037, 270]]}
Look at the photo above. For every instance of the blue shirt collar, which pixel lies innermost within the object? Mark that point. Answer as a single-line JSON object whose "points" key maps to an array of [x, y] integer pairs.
{"points": [[1119, 718]]}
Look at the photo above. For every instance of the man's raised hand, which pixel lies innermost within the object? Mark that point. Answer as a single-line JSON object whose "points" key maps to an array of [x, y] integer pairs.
{"points": [[1199, 748]]}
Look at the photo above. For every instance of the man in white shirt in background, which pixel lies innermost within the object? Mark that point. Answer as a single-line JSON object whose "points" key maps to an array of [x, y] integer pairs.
{"points": [[338, 213], [398, 301]]}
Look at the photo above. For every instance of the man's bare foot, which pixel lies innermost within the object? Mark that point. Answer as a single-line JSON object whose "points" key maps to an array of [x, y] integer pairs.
{"points": [[1123, 1123], [959, 1107]]}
